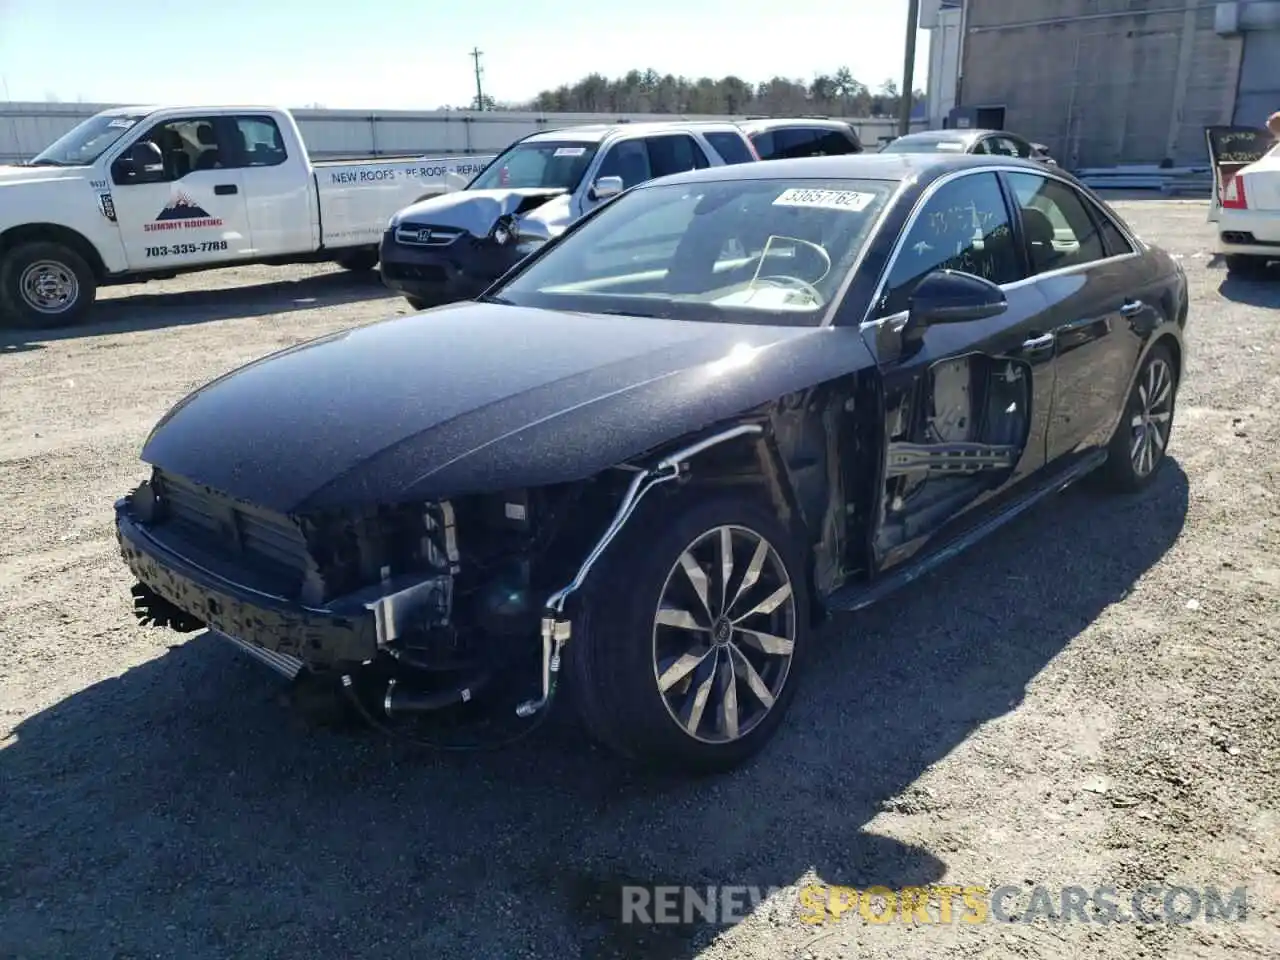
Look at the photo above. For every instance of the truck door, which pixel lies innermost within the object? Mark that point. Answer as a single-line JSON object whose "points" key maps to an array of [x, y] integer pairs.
{"points": [[187, 207], [278, 188]]}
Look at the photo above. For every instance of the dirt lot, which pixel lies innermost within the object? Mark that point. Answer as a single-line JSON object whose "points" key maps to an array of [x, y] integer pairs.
{"points": [[1091, 699]]}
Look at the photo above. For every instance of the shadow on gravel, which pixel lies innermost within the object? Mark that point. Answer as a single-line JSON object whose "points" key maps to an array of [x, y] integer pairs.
{"points": [[175, 812], [153, 311], [1260, 291]]}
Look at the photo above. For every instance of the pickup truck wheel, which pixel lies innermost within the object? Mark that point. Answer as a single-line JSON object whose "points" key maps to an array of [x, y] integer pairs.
{"points": [[360, 261], [44, 284], [686, 651]]}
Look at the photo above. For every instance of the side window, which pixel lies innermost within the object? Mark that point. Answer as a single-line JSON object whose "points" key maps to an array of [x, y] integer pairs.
{"points": [[794, 142], [1003, 147], [832, 143], [178, 146], [982, 147], [1117, 245], [964, 226], [765, 146], [1058, 229], [674, 153], [261, 143], [1020, 147], [628, 160], [731, 147]]}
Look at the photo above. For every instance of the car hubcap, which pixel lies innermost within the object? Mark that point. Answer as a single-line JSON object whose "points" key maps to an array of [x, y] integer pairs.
{"points": [[1150, 424], [724, 634], [49, 287]]}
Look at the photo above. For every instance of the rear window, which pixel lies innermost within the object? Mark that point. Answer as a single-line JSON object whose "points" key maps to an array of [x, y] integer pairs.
{"points": [[732, 147], [787, 143]]}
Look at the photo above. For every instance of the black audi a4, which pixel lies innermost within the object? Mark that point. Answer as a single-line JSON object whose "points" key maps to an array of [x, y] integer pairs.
{"points": [[647, 462]]}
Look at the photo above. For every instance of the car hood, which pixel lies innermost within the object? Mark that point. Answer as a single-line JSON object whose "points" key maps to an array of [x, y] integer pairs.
{"points": [[10, 175], [474, 397], [477, 210]]}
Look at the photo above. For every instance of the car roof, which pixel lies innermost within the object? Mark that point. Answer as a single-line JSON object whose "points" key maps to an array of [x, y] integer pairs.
{"points": [[596, 132], [852, 166], [760, 124]]}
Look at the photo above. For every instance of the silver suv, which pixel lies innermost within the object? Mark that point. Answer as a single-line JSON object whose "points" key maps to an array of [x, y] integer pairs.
{"points": [[451, 247]]}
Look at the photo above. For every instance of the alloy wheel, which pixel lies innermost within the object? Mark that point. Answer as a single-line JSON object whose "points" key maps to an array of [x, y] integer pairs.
{"points": [[724, 634], [49, 287], [1150, 425]]}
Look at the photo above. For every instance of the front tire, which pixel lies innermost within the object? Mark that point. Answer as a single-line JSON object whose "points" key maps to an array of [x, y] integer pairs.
{"points": [[1142, 437], [672, 663], [43, 285]]}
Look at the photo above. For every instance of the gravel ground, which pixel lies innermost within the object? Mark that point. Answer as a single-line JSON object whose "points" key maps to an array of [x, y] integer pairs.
{"points": [[1089, 699]]}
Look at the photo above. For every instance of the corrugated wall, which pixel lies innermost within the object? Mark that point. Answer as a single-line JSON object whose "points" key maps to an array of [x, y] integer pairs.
{"points": [[27, 128], [1103, 82]]}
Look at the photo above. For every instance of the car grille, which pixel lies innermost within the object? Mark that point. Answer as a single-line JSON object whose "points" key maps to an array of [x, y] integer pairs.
{"points": [[426, 235], [214, 522]]}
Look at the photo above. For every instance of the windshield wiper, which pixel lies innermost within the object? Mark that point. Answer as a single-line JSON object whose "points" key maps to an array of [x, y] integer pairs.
{"points": [[45, 163]]}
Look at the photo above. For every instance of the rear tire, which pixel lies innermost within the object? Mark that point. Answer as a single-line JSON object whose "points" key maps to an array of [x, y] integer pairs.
{"points": [[1142, 437], [1246, 265], [44, 285], [645, 650]]}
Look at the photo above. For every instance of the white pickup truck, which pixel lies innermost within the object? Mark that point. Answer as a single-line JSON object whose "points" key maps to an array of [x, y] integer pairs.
{"points": [[143, 193]]}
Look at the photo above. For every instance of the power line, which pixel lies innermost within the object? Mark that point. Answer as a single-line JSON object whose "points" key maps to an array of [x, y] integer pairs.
{"points": [[476, 54]]}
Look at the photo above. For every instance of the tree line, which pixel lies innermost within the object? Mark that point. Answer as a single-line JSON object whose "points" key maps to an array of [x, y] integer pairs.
{"points": [[647, 91]]}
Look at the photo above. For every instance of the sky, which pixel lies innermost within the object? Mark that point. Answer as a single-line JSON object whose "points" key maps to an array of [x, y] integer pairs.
{"points": [[414, 54]]}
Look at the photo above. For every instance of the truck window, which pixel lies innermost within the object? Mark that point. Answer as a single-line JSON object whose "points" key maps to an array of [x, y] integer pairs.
{"points": [[261, 142], [675, 153], [185, 145], [731, 147]]}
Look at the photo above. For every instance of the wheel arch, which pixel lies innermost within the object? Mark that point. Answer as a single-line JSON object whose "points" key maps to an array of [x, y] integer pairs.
{"points": [[54, 233]]}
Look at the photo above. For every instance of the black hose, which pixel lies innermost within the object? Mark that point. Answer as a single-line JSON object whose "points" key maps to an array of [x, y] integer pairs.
{"points": [[348, 687]]}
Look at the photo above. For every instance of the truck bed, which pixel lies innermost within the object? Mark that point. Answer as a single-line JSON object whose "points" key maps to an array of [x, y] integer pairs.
{"points": [[358, 197]]}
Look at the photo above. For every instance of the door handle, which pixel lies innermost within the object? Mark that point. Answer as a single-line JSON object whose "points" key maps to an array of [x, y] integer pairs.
{"points": [[223, 189], [1132, 308], [1041, 342]]}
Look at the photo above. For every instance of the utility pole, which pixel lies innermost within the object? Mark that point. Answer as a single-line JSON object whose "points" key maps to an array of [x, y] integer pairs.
{"points": [[476, 54], [908, 69]]}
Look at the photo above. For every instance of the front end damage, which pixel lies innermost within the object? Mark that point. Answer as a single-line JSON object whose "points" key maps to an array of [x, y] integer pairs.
{"points": [[412, 607]]}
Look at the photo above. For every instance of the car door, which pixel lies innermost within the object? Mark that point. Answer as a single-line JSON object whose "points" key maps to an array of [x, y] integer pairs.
{"points": [[190, 209], [966, 406], [1093, 283]]}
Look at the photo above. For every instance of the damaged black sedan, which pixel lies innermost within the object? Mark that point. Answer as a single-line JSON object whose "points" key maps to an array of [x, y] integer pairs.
{"points": [[648, 462]]}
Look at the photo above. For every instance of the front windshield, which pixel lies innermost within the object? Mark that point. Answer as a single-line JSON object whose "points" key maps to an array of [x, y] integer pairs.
{"points": [[736, 251], [544, 164], [927, 145], [85, 142]]}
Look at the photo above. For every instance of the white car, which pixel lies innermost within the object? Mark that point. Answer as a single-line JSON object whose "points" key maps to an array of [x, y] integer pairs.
{"points": [[1246, 196]]}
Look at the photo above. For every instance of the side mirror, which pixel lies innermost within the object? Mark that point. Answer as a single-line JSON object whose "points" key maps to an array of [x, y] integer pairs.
{"points": [[532, 231], [949, 296], [143, 163], [606, 187]]}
